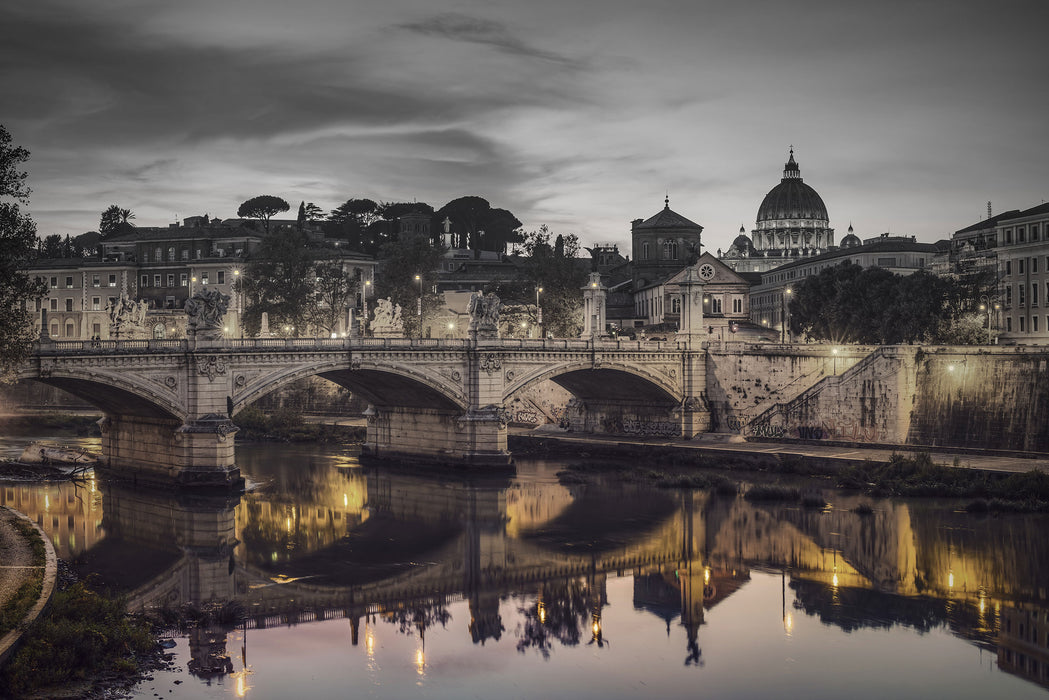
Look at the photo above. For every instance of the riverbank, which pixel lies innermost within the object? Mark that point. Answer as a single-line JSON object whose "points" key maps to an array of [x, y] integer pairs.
{"points": [[27, 578]]}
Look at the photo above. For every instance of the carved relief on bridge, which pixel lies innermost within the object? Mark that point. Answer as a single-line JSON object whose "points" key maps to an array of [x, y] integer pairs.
{"points": [[211, 366]]}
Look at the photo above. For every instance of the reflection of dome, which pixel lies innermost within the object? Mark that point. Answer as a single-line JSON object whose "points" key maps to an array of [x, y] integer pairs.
{"points": [[792, 198]]}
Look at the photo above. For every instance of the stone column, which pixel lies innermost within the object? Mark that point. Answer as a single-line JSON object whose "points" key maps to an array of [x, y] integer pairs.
{"points": [[690, 329], [264, 329], [594, 294]]}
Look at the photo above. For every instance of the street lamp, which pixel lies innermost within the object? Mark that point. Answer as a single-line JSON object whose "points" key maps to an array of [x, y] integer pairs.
{"points": [[538, 312], [364, 304], [988, 303], [784, 319], [419, 305]]}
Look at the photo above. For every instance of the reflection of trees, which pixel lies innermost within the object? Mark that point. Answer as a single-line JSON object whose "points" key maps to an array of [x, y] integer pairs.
{"points": [[858, 608], [418, 616], [560, 614]]}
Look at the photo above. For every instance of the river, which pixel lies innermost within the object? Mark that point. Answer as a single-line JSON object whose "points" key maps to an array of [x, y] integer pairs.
{"points": [[332, 579]]}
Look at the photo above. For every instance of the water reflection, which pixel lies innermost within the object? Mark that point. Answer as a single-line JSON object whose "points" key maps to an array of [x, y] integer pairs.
{"points": [[532, 559]]}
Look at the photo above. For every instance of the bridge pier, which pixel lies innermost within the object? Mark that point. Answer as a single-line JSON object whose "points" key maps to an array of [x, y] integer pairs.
{"points": [[475, 438], [170, 453]]}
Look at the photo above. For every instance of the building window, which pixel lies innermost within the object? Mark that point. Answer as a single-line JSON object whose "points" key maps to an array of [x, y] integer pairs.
{"points": [[1008, 324], [1034, 324], [715, 305], [145, 280], [1009, 295], [96, 329], [644, 253], [737, 305], [670, 250], [159, 255], [1034, 232], [171, 279], [1008, 267], [886, 262], [69, 304], [54, 304], [1034, 294], [156, 280], [185, 253], [69, 282], [675, 305], [1020, 296], [96, 304], [54, 329], [1021, 237], [183, 280], [1008, 235], [112, 280], [171, 254], [221, 277], [95, 281], [198, 254], [54, 283], [145, 255], [1020, 266], [1021, 324], [203, 278], [1034, 266], [69, 329]]}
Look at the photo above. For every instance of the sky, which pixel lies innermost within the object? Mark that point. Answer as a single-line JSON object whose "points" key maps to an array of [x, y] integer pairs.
{"points": [[906, 117]]}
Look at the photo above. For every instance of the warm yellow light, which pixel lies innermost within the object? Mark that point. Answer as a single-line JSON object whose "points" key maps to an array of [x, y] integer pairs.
{"points": [[420, 659], [789, 290], [950, 580], [706, 575], [369, 642], [983, 605], [194, 279], [451, 326], [345, 501], [542, 612], [539, 290], [242, 686], [524, 324], [788, 623], [835, 351], [834, 580], [596, 628], [950, 368], [417, 278]]}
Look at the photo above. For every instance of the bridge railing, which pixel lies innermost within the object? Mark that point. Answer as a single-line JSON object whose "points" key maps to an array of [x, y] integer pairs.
{"points": [[277, 344]]}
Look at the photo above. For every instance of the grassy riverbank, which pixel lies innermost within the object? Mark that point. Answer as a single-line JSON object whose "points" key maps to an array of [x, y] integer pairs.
{"points": [[84, 643], [51, 423], [287, 425]]}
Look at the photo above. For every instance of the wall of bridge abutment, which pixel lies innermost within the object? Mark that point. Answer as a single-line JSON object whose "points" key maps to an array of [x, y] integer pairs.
{"points": [[474, 438]]}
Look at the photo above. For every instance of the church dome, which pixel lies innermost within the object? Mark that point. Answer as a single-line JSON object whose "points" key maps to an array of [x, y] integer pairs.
{"points": [[851, 240], [742, 244], [792, 198]]}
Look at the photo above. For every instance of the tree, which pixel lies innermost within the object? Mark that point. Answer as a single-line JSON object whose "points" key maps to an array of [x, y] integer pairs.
{"points": [[399, 262], [851, 304], [311, 212], [263, 207], [335, 291], [279, 281], [115, 221], [51, 247], [557, 270], [17, 248], [476, 225]]}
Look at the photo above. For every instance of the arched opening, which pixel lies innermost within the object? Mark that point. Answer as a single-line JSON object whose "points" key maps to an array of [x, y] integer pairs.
{"points": [[159, 331]]}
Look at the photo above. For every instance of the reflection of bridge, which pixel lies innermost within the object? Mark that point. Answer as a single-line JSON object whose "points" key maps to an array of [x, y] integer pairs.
{"points": [[168, 404]]}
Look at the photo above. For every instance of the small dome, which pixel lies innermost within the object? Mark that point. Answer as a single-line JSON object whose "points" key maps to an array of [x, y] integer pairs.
{"points": [[792, 198], [743, 245], [851, 240]]}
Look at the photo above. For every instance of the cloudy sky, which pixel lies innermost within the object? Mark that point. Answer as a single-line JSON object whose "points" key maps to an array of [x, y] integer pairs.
{"points": [[579, 114]]}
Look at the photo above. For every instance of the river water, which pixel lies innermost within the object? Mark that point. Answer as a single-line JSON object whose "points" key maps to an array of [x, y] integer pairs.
{"points": [[376, 582]]}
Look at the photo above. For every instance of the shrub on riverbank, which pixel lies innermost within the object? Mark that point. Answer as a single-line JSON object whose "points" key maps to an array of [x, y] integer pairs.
{"points": [[287, 425], [84, 637], [918, 475], [51, 423]]}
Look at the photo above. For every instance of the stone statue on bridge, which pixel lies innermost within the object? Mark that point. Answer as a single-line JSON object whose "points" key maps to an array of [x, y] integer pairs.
{"points": [[205, 311], [484, 315], [127, 318], [388, 322]]}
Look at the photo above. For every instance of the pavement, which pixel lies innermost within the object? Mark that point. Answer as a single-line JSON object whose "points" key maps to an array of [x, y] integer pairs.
{"points": [[16, 566], [835, 454]]}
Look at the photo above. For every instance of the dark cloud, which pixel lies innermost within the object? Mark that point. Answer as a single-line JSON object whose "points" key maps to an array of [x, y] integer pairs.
{"points": [[476, 30]]}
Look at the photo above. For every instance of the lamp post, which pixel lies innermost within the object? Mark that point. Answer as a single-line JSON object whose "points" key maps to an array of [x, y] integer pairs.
{"points": [[419, 305], [785, 318], [538, 312], [988, 303], [364, 306]]}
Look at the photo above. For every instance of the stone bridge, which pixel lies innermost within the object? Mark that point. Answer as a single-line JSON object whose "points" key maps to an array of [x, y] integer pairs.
{"points": [[170, 405]]}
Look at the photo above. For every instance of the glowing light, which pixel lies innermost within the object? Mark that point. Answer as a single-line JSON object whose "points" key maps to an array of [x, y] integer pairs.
{"points": [[950, 368], [596, 628], [542, 612], [345, 501], [834, 351], [451, 326], [420, 660], [788, 623], [983, 605], [706, 575], [834, 580], [950, 580]]}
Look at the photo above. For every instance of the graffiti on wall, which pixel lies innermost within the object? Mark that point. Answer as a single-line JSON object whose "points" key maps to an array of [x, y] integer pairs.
{"points": [[644, 428], [845, 431]]}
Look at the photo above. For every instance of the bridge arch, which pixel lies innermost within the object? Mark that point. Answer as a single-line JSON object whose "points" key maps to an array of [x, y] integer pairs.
{"points": [[113, 393], [381, 384], [606, 382]]}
